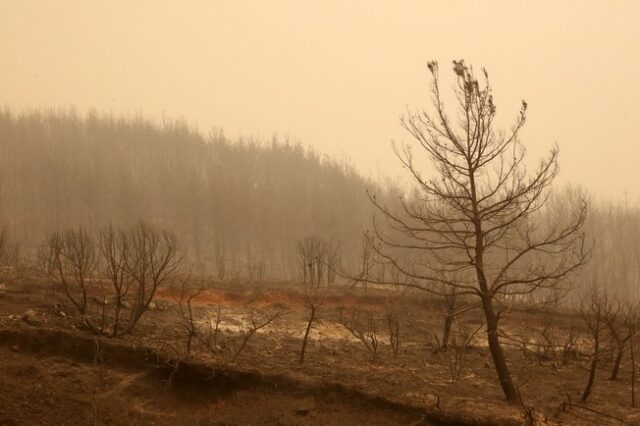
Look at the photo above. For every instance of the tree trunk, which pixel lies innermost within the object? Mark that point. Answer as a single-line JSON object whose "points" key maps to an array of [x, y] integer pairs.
{"points": [[616, 363], [306, 333], [620, 345], [450, 300], [592, 370], [448, 320], [189, 339], [499, 360], [116, 318]]}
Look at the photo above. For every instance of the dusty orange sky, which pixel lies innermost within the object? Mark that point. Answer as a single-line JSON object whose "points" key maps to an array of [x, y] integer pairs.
{"points": [[337, 74]]}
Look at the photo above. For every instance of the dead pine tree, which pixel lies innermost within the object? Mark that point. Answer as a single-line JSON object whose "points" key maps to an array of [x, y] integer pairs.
{"points": [[473, 224]]}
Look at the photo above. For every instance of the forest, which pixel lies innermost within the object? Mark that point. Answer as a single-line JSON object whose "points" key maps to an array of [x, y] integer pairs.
{"points": [[242, 203]]}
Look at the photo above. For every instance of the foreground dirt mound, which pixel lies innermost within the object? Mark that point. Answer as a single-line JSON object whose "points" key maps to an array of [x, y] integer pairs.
{"points": [[56, 377]]}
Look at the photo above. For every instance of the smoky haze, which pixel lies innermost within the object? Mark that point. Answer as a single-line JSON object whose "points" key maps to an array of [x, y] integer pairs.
{"points": [[286, 212], [337, 75]]}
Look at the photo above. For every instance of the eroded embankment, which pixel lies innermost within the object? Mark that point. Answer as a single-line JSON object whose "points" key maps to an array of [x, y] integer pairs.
{"points": [[223, 382]]}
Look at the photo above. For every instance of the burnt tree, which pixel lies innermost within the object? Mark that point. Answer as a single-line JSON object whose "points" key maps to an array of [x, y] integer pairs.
{"points": [[472, 225]]}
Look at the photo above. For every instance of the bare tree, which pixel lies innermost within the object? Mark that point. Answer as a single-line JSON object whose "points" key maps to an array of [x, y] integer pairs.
{"points": [[568, 346], [451, 305], [392, 316], [71, 262], [214, 330], [367, 262], [257, 321], [312, 252], [333, 260], [554, 341], [185, 308], [595, 309], [631, 319], [124, 264], [461, 344], [152, 261], [476, 218], [318, 259], [114, 249], [363, 325], [313, 299], [620, 323]]}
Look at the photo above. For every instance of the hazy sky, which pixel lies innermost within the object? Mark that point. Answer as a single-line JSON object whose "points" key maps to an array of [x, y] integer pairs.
{"points": [[337, 74]]}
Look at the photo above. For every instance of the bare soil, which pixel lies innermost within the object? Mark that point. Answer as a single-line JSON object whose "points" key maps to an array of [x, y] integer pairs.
{"points": [[46, 390], [53, 372]]}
